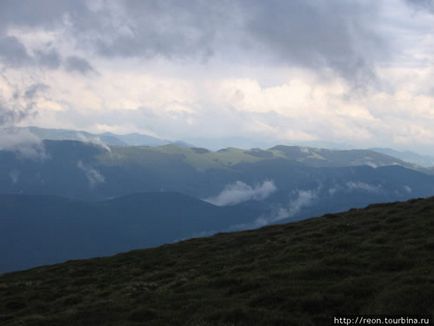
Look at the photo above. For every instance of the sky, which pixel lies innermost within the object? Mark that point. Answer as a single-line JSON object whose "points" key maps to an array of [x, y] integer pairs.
{"points": [[247, 73]]}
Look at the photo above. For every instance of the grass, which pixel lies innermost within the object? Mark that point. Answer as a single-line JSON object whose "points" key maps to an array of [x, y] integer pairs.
{"points": [[376, 260], [199, 158]]}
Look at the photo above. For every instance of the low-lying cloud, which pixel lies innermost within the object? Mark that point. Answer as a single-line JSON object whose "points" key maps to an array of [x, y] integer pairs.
{"points": [[93, 176], [15, 108], [23, 143], [94, 141], [14, 176], [239, 192], [299, 200], [303, 199], [357, 185]]}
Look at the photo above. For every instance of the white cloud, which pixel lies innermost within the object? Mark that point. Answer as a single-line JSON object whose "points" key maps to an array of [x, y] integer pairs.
{"points": [[93, 176], [300, 199], [303, 108], [358, 185], [93, 140], [23, 143], [239, 192], [15, 176]]}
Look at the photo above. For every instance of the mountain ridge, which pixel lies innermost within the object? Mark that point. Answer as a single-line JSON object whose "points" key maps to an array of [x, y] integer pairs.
{"points": [[140, 139], [335, 181]]}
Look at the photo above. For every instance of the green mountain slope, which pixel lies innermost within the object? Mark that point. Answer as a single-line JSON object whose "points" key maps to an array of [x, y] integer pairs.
{"points": [[87, 171], [203, 159], [376, 260]]}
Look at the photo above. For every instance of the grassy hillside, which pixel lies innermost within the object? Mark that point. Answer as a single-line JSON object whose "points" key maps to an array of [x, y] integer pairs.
{"points": [[373, 260], [203, 159]]}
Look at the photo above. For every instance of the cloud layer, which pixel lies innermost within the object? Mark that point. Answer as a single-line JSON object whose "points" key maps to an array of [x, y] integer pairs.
{"points": [[243, 72]]}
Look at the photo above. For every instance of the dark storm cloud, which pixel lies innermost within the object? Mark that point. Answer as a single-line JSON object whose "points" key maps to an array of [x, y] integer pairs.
{"points": [[40, 13], [45, 14], [317, 34], [314, 34], [172, 29], [14, 53]]}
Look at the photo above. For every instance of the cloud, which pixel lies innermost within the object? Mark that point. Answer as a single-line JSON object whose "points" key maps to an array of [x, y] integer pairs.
{"points": [[43, 13], [12, 51], [422, 4], [48, 58], [321, 34], [20, 104], [34, 89], [77, 64], [23, 143], [9, 116], [239, 192], [94, 140], [299, 199], [314, 34], [13, 110], [281, 71], [351, 186], [333, 190], [15, 176], [93, 176], [358, 185]]}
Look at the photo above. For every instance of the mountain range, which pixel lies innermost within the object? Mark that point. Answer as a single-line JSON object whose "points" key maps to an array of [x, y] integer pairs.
{"points": [[140, 139], [108, 138], [116, 198], [90, 171], [408, 156]]}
